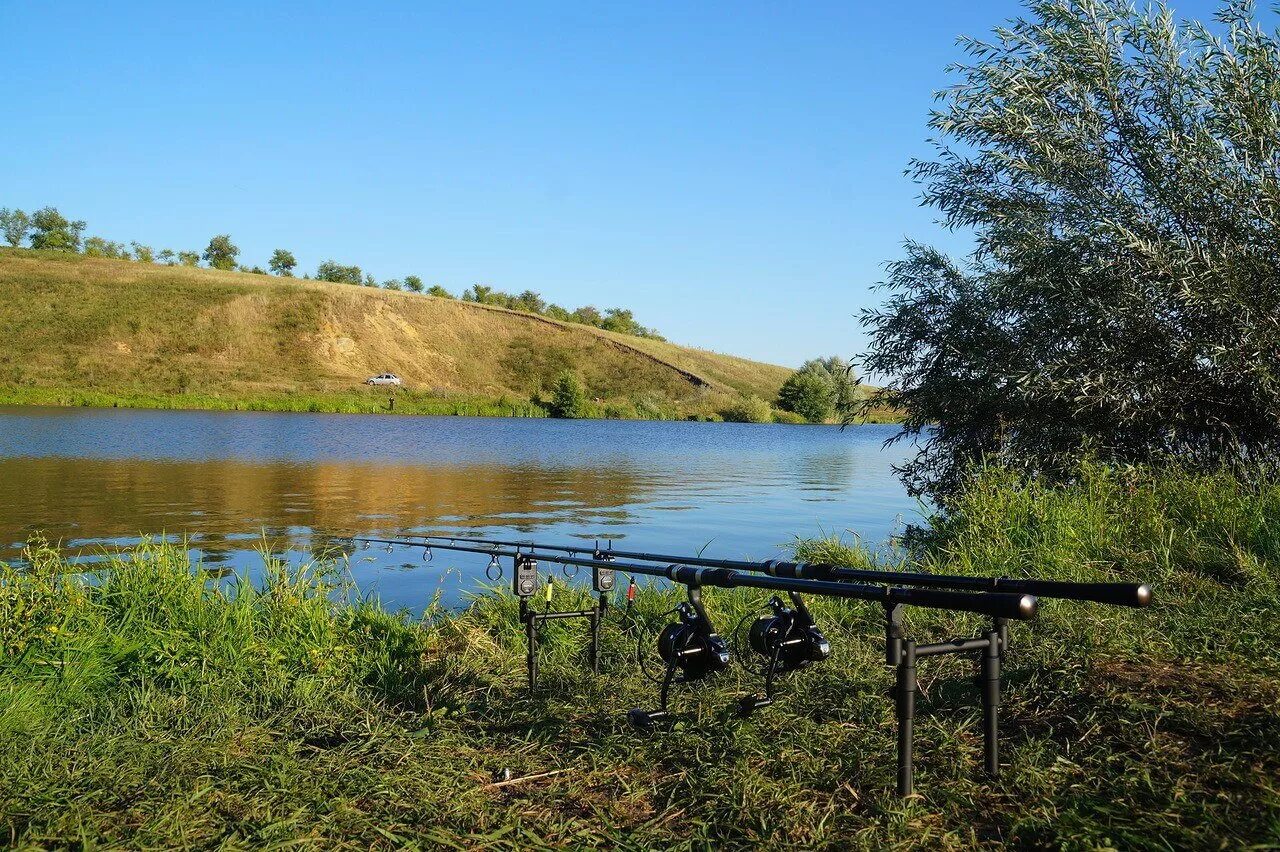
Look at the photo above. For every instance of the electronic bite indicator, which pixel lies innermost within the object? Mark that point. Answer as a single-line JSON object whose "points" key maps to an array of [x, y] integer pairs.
{"points": [[603, 578], [524, 580]]}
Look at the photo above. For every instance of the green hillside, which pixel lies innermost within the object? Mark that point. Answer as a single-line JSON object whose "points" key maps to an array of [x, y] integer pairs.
{"points": [[82, 330]]}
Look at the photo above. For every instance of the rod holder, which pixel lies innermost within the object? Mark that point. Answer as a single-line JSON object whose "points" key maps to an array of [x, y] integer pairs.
{"points": [[991, 702], [906, 696]]}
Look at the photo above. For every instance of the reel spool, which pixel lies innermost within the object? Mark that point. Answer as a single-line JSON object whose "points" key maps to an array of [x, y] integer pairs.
{"points": [[689, 646], [786, 640]]}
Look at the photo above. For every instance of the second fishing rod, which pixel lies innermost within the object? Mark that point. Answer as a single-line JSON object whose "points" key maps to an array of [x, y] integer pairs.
{"points": [[1115, 594]]}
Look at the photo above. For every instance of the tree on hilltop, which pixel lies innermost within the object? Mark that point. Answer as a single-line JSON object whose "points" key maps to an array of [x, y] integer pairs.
{"points": [[282, 262], [221, 253], [14, 224], [54, 232], [333, 271]]}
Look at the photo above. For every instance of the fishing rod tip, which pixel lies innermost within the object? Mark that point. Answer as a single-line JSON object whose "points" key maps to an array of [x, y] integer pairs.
{"points": [[1027, 606], [1142, 596]]}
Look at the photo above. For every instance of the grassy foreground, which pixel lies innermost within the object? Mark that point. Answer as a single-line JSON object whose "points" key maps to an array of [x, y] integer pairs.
{"points": [[155, 709]]}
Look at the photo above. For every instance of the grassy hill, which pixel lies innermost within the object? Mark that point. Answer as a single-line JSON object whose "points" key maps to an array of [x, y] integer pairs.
{"points": [[81, 330]]}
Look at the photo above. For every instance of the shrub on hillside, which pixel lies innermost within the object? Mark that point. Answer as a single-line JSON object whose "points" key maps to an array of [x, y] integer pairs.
{"points": [[568, 397], [748, 409], [808, 394]]}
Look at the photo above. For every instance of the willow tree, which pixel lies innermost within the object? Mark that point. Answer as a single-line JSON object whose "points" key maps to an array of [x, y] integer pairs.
{"points": [[1120, 173]]}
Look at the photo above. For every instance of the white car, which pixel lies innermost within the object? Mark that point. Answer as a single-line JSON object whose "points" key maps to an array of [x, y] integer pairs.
{"points": [[383, 379]]}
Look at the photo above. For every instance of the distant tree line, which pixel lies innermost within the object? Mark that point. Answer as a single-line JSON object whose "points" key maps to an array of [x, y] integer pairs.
{"points": [[49, 230], [620, 320]]}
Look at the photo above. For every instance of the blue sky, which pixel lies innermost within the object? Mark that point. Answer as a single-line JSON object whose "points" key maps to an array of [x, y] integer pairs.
{"points": [[732, 172]]}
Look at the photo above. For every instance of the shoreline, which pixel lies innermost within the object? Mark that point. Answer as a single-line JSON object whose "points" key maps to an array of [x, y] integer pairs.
{"points": [[350, 402]]}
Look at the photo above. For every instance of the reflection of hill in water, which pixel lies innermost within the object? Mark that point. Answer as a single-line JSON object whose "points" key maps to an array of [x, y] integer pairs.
{"points": [[88, 501]]}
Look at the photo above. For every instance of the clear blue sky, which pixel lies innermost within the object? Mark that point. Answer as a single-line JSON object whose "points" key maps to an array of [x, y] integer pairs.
{"points": [[732, 171]]}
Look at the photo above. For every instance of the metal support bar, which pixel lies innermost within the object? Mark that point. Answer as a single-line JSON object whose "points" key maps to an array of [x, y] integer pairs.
{"points": [[954, 646], [533, 620], [991, 703], [906, 695], [1002, 628], [893, 633]]}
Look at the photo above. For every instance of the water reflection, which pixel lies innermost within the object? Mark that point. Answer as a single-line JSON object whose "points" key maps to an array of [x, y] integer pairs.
{"points": [[97, 480], [226, 503]]}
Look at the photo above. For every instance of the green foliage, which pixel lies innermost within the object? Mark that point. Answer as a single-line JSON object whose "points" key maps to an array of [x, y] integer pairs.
{"points": [[437, 290], [221, 253], [568, 397], [14, 224], [189, 258], [392, 284], [369, 280], [789, 417], [808, 393], [99, 247], [167, 257], [614, 319], [143, 254], [336, 272], [54, 232], [413, 283], [748, 409], [1121, 174], [282, 262]]}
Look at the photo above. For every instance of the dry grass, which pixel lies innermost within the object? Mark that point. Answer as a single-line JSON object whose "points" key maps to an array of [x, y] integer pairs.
{"points": [[116, 327]]}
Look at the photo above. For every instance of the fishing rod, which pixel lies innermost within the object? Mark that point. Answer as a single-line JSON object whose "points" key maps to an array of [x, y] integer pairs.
{"points": [[1115, 594], [995, 604], [787, 637]]}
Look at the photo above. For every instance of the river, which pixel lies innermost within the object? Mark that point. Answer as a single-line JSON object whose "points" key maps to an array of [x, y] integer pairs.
{"points": [[95, 480]]}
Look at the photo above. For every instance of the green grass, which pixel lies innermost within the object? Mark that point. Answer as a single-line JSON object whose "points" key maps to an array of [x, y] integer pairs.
{"points": [[154, 708], [363, 401]]}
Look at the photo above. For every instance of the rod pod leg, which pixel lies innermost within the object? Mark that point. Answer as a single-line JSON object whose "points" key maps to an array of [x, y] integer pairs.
{"points": [[991, 703], [531, 644], [645, 720], [906, 700]]}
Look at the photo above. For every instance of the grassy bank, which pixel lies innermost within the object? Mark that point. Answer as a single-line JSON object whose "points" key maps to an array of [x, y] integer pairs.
{"points": [[153, 709], [371, 401], [368, 401], [145, 335]]}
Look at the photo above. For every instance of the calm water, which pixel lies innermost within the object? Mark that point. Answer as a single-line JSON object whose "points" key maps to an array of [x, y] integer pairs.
{"points": [[97, 479]]}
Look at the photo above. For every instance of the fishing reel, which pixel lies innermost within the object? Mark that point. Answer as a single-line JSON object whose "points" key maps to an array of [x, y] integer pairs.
{"points": [[785, 639], [689, 646]]}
